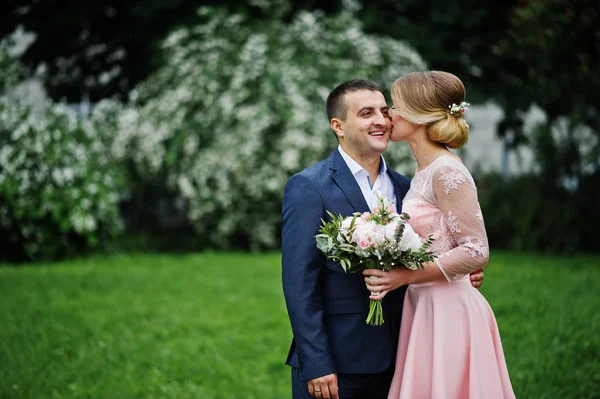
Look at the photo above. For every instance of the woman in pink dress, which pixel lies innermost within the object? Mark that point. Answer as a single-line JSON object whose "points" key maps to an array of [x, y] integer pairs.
{"points": [[449, 343]]}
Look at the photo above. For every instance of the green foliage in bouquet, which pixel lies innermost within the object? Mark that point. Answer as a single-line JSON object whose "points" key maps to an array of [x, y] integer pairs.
{"points": [[344, 252], [378, 240], [341, 252]]}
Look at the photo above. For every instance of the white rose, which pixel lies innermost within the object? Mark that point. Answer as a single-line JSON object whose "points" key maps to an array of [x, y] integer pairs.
{"points": [[379, 236], [410, 239], [390, 231], [346, 226], [364, 234]]}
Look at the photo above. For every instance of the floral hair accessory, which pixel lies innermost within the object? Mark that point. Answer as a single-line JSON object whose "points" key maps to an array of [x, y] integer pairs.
{"points": [[458, 109]]}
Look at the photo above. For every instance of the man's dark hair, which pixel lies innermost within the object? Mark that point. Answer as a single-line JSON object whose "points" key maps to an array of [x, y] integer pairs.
{"points": [[336, 107]]}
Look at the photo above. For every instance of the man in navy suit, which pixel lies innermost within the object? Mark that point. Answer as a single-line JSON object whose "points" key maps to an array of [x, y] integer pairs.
{"points": [[334, 353]]}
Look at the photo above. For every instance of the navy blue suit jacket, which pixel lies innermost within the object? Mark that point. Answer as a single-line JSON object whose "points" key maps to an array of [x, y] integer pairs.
{"points": [[327, 307]]}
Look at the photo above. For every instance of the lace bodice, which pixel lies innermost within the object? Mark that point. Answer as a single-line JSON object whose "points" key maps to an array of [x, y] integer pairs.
{"points": [[442, 201]]}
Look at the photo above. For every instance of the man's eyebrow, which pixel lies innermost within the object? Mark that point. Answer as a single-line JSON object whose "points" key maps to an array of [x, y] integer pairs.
{"points": [[365, 109], [370, 109]]}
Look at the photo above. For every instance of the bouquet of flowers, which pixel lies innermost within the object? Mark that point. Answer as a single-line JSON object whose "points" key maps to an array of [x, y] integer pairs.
{"points": [[378, 240]]}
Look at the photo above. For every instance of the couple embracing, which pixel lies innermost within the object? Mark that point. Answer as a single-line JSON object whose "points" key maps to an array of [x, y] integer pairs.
{"points": [[440, 338]]}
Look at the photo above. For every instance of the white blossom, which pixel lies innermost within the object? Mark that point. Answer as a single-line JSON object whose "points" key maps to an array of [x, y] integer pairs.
{"points": [[54, 170], [410, 239], [230, 117]]}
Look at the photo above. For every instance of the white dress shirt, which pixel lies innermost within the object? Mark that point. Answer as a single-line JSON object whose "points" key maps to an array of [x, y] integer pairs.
{"points": [[383, 183]]}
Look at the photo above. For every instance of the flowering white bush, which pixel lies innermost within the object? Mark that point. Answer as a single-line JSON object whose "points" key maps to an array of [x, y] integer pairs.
{"points": [[58, 189], [240, 106], [9, 69]]}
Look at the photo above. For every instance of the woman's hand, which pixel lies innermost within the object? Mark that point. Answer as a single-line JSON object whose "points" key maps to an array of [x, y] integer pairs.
{"points": [[380, 282], [477, 278]]}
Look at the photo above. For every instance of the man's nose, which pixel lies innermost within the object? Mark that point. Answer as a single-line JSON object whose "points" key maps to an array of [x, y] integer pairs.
{"points": [[382, 119]]}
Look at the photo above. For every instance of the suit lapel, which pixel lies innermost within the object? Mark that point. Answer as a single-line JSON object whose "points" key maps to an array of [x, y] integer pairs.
{"points": [[398, 189], [347, 183]]}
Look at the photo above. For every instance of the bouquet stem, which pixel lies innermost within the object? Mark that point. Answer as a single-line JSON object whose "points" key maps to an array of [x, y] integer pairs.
{"points": [[375, 317]]}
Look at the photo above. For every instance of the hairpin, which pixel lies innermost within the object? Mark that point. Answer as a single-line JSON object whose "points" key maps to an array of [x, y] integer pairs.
{"points": [[458, 109]]}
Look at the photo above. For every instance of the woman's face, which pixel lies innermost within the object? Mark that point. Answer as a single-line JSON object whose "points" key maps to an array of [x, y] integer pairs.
{"points": [[401, 128]]}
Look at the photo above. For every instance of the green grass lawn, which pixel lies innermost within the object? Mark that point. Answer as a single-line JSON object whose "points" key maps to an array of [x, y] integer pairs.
{"points": [[215, 326]]}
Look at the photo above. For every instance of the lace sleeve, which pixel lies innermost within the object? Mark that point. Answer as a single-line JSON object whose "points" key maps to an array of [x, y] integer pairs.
{"points": [[456, 195]]}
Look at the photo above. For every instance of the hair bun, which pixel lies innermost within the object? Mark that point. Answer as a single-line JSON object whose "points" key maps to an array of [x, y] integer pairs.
{"points": [[429, 99], [452, 131]]}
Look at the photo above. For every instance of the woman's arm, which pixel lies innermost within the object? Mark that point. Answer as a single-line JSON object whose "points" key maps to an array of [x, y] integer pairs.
{"points": [[457, 200]]}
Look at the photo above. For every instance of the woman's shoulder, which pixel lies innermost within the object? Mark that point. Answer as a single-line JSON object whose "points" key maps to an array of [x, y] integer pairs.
{"points": [[447, 162], [450, 171], [449, 159]]}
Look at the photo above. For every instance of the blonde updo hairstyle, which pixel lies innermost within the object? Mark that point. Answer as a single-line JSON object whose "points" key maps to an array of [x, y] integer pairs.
{"points": [[423, 98]]}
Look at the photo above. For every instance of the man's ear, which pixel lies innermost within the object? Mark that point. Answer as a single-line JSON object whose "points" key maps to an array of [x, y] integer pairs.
{"points": [[337, 126]]}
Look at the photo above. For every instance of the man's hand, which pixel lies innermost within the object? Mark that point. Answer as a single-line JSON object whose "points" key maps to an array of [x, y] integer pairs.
{"points": [[477, 278], [325, 387], [380, 282]]}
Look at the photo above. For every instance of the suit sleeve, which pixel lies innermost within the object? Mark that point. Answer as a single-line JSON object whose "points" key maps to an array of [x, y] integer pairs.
{"points": [[302, 265]]}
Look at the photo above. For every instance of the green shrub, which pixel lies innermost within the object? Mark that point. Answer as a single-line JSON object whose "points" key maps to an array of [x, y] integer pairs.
{"points": [[238, 107], [9, 68], [58, 187], [531, 214]]}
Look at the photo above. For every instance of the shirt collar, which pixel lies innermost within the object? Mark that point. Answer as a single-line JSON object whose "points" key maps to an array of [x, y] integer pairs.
{"points": [[355, 167]]}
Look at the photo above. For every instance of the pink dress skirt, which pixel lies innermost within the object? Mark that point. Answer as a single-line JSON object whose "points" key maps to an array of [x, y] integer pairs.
{"points": [[449, 345]]}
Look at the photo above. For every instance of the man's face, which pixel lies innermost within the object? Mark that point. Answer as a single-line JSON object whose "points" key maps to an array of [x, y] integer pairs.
{"points": [[366, 130]]}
